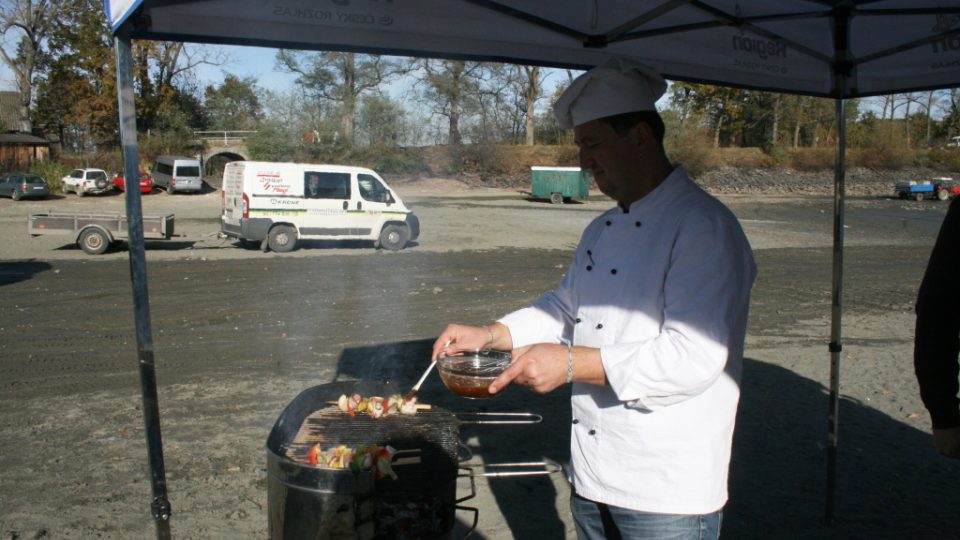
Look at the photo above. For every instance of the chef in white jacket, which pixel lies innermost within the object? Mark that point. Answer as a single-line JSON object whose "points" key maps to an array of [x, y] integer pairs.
{"points": [[648, 325]]}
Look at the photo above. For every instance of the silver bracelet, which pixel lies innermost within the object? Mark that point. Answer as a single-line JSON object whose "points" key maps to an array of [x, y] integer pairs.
{"points": [[489, 333], [569, 361]]}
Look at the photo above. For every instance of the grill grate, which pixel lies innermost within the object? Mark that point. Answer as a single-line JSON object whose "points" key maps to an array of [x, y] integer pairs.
{"points": [[330, 427]]}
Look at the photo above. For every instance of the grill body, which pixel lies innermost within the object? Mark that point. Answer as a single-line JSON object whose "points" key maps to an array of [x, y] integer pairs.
{"points": [[309, 502]]}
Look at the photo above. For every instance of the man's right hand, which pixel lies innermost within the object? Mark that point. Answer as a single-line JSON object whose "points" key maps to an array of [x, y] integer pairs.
{"points": [[457, 338], [947, 442]]}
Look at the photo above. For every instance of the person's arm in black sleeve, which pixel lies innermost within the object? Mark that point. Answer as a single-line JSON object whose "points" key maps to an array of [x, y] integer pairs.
{"points": [[937, 338]]}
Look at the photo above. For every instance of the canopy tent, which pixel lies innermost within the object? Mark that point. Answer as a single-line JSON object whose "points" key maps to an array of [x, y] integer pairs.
{"points": [[830, 48], [835, 48]]}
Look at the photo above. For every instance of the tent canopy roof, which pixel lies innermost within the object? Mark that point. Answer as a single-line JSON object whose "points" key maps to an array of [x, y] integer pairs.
{"points": [[830, 48]]}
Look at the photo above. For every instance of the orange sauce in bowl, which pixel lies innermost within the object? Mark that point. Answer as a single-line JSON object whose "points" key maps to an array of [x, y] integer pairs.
{"points": [[467, 386]]}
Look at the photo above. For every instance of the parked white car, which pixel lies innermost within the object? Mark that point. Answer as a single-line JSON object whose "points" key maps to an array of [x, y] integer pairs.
{"points": [[84, 181]]}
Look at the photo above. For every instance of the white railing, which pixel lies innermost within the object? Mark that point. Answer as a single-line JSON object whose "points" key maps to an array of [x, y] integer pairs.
{"points": [[225, 137]]}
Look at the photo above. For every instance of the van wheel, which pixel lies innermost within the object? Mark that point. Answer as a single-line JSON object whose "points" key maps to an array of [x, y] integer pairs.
{"points": [[283, 238], [394, 237], [94, 241]]}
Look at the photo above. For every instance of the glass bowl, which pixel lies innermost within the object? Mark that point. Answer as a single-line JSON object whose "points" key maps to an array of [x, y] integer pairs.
{"points": [[469, 374]]}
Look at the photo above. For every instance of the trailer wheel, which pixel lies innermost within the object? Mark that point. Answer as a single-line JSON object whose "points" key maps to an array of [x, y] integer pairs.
{"points": [[943, 194], [556, 198], [283, 238], [94, 241], [394, 237]]}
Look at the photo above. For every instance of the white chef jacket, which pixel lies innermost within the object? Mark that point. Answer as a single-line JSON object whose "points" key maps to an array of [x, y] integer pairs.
{"points": [[663, 291]]}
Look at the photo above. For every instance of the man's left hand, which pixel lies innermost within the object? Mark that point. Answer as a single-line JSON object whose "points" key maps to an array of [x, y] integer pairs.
{"points": [[541, 367]]}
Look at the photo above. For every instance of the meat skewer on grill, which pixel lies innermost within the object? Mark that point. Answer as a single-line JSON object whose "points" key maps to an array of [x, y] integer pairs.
{"points": [[376, 406]]}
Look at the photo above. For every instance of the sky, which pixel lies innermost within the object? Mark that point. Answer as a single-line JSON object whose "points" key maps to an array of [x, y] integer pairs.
{"points": [[245, 61], [256, 62]]}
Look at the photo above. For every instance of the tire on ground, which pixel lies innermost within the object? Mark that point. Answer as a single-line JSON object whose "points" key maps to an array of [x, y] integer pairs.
{"points": [[394, 237], [94, 241], [282, 238], [556, 198]]}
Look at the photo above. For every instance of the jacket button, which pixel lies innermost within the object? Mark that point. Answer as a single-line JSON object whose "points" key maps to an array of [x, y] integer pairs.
{"points": [[589, 268], [599, 326], [609, 223], [578, 320], [592, 432], [613, 271], [575, 421], [637, 224]]}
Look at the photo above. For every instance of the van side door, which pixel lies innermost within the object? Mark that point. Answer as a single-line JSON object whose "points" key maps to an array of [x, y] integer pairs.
{"points": [[326, 197]]}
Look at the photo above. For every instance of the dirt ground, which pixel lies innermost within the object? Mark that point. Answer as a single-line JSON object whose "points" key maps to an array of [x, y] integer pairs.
{"points": [[239, 333]]}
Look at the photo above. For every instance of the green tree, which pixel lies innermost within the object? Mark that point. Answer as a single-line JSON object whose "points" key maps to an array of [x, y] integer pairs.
{"points": [[340, 77], [29, 23], [78, 96], [720, 107], [381, 121], [234, 105], [163, 71]]}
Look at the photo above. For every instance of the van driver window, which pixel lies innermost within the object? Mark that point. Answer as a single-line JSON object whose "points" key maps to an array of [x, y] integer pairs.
{"points": [[326, 185], [372, 189]]}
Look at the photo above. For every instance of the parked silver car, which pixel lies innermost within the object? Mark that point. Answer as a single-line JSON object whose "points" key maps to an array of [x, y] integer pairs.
{"points": [[24, 186]]}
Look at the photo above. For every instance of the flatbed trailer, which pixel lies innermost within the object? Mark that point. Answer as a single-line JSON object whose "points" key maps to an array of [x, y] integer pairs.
{"points": [[941, 188], [94, 233], [914, 190]]}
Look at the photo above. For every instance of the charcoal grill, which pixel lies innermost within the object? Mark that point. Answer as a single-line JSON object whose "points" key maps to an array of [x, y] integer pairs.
{"points": [[310, 502]]}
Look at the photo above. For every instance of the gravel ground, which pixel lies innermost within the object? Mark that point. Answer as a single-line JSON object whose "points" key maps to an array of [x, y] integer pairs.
{"points": [[239, 333]]}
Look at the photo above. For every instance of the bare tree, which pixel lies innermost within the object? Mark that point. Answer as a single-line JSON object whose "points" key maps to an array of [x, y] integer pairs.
{"points": [[27, 23], [451, 88], [172, 59], [530, 80]]}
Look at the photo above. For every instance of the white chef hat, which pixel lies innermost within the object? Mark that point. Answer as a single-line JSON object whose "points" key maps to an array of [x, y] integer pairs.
{"points": [[614, 87]]}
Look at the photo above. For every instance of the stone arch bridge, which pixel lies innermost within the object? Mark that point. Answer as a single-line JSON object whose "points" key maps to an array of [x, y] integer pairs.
{"points": [[220, 148]]}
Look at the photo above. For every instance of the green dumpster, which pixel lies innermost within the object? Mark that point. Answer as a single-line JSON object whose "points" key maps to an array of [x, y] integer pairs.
{"points": [[559, 183]]}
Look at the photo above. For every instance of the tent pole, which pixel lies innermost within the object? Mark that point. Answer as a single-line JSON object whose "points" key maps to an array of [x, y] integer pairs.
{"points": [[160, 506], [836, 343]]}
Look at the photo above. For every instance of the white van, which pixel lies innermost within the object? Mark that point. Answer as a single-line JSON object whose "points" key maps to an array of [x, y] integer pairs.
{"points": [[278, 203], [178, 173]]}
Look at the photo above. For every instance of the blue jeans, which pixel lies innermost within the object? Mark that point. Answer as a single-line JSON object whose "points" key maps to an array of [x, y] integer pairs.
{"points": [[597, 521]]}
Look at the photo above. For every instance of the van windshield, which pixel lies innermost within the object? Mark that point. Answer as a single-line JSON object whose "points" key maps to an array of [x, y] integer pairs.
{"points": [[188, 171]]}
